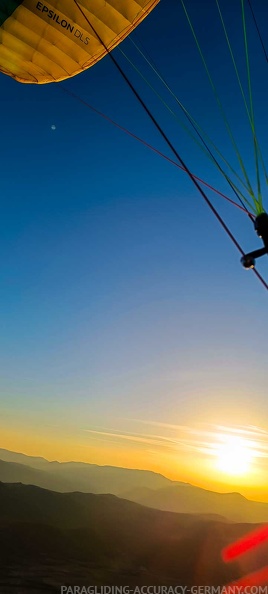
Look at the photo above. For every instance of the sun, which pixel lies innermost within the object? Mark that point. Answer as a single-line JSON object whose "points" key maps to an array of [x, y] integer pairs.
{"points": [[234, 456]]}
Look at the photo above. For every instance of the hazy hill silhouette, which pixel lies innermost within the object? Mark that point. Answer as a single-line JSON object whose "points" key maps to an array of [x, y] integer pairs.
{"points": [[89, 477], [54, 538], [11, 472], [144, 487], [190, 499], [33, 461]]}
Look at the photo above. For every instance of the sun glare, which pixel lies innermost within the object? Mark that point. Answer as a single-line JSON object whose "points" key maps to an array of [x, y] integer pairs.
{"points": [[234, 456]]}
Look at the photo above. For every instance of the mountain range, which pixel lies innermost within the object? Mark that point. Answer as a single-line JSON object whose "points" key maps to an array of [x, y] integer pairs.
{"points": [[140, 486], [75, 523], [50, 539]]}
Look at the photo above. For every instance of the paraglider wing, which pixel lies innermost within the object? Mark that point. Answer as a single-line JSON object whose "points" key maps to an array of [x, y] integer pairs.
{"points": [[43, 42]]}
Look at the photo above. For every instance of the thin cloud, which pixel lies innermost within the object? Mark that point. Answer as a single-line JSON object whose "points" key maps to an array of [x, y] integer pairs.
{"points": [[203, 439], [150, 440]]}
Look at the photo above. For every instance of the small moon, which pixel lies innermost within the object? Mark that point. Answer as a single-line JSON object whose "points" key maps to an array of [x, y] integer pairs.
{"points": [[53, 127]]}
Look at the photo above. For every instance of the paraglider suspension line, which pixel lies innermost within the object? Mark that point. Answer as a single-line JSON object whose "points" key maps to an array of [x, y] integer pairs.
{"points": [[258, 30], [169, 143]]}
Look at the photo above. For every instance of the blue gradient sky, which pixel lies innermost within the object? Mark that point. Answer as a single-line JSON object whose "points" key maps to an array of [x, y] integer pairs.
{"points": [[123, 303]]}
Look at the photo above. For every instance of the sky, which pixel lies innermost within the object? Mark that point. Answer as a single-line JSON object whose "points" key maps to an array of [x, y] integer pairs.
{"points": [[130, 333]]}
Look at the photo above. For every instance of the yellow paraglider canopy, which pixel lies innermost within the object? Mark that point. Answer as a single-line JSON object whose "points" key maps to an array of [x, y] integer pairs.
{"points": [[43, 42]]}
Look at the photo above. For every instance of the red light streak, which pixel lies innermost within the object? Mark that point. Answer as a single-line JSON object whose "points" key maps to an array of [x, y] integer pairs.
{"points": [[241, 546], [248, 542], [252, 579]]}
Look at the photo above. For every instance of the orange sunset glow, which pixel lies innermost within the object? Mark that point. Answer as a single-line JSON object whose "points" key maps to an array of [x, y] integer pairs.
{"points": [[213, 457]]}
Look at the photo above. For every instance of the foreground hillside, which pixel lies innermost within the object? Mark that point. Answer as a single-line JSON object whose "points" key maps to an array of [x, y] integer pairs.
{"points": [[49, 539]]}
